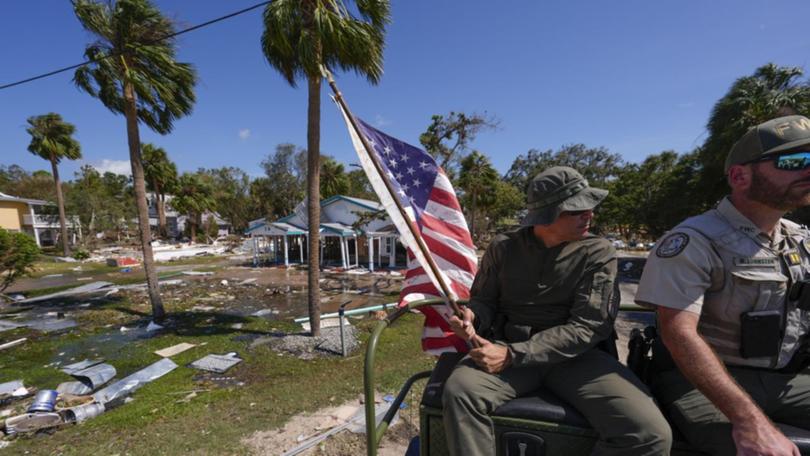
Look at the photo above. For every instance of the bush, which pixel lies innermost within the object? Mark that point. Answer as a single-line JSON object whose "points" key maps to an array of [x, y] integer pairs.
{"points": [[18, 251], [81, 254]]}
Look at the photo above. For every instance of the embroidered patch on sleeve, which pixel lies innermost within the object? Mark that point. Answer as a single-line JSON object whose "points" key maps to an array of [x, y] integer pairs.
{"points": [[672, 245]]}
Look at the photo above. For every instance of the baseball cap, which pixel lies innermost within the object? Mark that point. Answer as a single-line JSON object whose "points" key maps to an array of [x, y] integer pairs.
{"points": [[783, 134]]}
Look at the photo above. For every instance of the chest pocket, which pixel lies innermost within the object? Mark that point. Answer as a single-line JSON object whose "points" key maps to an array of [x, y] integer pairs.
{"points": [[755, 290]]}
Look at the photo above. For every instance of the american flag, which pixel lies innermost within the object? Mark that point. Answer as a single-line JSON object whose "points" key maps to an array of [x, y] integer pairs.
{"points": [[429, 200]]}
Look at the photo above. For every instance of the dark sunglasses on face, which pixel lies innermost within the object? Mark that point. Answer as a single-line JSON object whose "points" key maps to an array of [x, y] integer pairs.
{"points": [[794, 161]]}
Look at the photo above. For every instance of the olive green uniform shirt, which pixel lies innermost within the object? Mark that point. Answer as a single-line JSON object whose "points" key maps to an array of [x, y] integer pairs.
{"points": [[546, 304]]}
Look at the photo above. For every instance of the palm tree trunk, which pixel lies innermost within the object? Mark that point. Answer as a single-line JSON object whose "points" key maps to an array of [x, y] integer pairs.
{"points": [[313, 202], [134, 140], [61, 203], [193, 220], [161, 208]]}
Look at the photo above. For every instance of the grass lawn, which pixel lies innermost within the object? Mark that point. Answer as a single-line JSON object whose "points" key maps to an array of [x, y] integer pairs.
{"points": [[274, 386]]}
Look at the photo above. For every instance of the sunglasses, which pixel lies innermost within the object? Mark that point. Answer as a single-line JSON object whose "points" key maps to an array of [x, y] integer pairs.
{"points": [[794, 161]]}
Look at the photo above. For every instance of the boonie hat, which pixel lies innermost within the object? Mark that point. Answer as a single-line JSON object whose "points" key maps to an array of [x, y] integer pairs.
{"points": [[556, 190], [783, 134]]}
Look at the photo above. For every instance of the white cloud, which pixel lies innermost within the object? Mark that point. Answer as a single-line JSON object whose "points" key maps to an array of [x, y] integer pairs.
{"points": [[380, 121], [244, 134], [114, 166]]}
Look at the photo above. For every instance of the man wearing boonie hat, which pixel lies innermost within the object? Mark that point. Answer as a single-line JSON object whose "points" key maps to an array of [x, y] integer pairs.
{"points": [[732, 295], [542, 302]]}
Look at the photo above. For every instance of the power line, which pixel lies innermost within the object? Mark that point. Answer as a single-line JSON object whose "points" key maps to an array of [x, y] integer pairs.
{"points": [[171, 35]]}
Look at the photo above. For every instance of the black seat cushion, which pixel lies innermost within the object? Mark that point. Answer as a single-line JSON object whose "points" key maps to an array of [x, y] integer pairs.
{"points": [[542, 406]]}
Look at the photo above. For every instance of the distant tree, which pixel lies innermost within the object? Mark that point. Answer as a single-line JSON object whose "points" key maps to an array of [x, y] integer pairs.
{"points": [[286, 172], [160, 174], [16, 181], [359, 186], [772, 91], [509, 202], [300, 38], [194, 197], [334, 180], [448, 138], [133, 71], [232, 196], [597, 165], [18, 251], [478, 179], [52, 139]]}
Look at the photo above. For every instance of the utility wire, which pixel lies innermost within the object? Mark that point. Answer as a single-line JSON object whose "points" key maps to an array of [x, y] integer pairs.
{"points": [[171, 35]]}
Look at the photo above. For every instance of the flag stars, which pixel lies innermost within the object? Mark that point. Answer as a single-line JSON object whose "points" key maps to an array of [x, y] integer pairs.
{"points": [[393, 163], [405, 187], [424, 164], [371, 142], [417, 183], [387, 150], [411, 170], [399, 176]]}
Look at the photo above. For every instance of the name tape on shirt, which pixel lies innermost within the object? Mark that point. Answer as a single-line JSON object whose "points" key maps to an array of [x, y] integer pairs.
{"points": [[755, 261]]}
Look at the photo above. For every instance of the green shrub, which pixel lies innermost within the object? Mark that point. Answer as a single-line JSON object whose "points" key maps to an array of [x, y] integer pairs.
{"points": [[18, 251], [81, 254]]}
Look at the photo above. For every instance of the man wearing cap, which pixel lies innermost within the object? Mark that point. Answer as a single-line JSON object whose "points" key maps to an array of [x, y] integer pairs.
{"points": [[543, 299], [733, 303]]}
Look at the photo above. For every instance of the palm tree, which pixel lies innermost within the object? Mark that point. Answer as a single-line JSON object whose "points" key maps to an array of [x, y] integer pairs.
{"points": [[772, 91], [478, 179], [194, 197], [300, 38], [334, 180], [161, 177], [52, 139], [133, 71]]}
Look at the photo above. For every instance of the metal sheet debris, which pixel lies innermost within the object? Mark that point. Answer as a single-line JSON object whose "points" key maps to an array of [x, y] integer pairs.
{"points": [[152, 326], [51, 324], [95, 376], [74, 388], [133, 382], [14, 388], [6, 325], [174, 349], [197, 273], [81, 365], [30, 422], [217, 363], [89, 288]]}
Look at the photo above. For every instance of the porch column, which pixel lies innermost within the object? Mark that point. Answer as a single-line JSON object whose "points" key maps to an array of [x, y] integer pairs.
{"points": [[392, 252], [34, 225], [356, 252], [343, 252], [255, 251], [286, 253], [370, 253], [379, 250], [301, 248]]}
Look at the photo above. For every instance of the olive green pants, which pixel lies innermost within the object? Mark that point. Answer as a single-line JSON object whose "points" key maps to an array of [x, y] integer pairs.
{"points": [[612, 399], [785, 398]]}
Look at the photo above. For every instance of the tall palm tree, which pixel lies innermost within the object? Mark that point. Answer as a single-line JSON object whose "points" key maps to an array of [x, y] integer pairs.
{"points": [[334, 180], [134, 72], [194, 197], [52, 139], [478, 179], [300, 37], [772, 91], [160, 174]]}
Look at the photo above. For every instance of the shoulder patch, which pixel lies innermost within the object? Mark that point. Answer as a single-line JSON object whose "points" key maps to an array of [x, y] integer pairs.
{"points": [[672, 245]]}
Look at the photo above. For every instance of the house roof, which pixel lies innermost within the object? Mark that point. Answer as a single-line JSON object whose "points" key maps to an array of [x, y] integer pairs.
{"points": [[5, 197], [367, 204]]}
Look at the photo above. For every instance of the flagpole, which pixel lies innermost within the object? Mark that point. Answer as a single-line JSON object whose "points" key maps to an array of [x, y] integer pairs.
{"points": [[414, 231]]}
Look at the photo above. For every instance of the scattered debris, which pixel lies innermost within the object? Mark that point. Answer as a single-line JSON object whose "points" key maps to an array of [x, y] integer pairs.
{"points": [[6, 325], [83, 412], [80, 366], [237, 325], [13, 343], [52, 276], [90, 376], [30, 422], [202, 308], [89, 288], [223, 282], [13, 389], [44, 401], [263, 312], [65, 260], [50, 324], [174, 349], [248, 281], [197, 273], [152, 326], [122, 261], [217, 363], [129, 384]]}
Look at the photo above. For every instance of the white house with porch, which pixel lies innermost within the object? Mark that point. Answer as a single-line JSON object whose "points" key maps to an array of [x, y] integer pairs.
{"points": [[346, 240], [37, 218]]}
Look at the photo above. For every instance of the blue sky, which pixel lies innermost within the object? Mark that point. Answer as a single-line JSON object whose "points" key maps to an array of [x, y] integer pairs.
{"points": [[635, 76]]}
